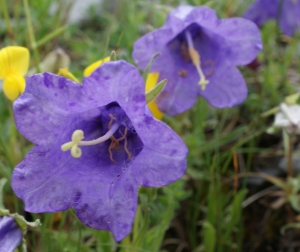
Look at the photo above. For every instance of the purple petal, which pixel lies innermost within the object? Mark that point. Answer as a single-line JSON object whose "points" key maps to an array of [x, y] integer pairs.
{"points": [[124, 194], [181, 92], [10, 234], [92, 185], [203, 16], [110, 208], [45, 181], [242, 40], [226, 88], [163, 158], [48, 108], [149, 45], [53, 102], [262, 10], [117, 82], [290, 17], [50, 180]]}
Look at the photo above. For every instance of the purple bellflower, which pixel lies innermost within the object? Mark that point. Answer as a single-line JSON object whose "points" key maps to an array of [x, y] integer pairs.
{"points": [[124, 147], [10, 234], [286, 11], [198, 56]]}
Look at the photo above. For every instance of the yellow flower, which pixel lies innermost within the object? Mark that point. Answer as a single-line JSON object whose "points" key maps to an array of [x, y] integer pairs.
{"points": [[14, 63], [150, 83], [91, 68], [67, 74]]}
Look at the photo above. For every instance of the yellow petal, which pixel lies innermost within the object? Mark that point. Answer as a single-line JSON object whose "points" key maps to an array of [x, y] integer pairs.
{"points": [[66, 73], [150, 83], [13, 60], [13, 86], [155, 110], [91, 68]]}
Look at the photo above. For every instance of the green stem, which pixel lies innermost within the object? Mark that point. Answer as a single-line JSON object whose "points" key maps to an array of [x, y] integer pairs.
{"points": [[7, 20], [290, 156], [6, 153], [31, 35], [79, 239], [126, 243], [48, 37], [135, 229], [143, 230], [288, 150]]}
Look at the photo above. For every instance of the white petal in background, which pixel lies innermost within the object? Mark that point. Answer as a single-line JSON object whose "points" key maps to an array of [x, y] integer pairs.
{"points": [[79, 9], [288, 117]]}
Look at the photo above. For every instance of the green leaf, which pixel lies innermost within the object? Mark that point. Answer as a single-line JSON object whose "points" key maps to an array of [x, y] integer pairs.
{"points": [[273, 130], [2, 183], [288, 226], [113, 56], [235, 211], [295, 203], [272, 179], [4, 212], [23, 223], [209, 234], [292, 99], [49, 37], [151, 95], [146, 72], [269, 112]]}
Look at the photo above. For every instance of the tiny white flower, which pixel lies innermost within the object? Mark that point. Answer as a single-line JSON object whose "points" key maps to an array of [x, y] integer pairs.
{"points": [[288, 117]]}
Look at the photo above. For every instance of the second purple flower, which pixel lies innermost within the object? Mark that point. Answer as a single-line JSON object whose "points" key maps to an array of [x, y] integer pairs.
{"points": [[198, 56], [287, 12]]}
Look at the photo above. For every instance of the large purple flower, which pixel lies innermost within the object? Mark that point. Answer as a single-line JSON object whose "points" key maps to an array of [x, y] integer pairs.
{"points": [[124, 146], [286, 11], [10, 234], [198, 56]]}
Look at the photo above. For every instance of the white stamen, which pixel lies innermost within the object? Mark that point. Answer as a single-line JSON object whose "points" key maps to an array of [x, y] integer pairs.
{"points": [[196, 60], [78, 135]]}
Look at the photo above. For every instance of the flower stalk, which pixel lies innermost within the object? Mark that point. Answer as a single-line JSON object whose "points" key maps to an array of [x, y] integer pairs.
{"points": [[7, 20], [288, 146], [31, 36]]}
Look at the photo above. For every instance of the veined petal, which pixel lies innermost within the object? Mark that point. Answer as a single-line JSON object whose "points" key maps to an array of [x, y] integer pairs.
{"points": [[13, 59], [91, 68], [150, 83], [165, 154], [13, 86]]}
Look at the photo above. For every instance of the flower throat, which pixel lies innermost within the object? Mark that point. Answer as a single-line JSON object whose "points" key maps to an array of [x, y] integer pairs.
{"points": [[78, 135]]}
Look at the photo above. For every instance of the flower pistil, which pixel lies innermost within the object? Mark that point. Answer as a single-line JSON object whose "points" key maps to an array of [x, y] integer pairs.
{"points": [[195, 57]]}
